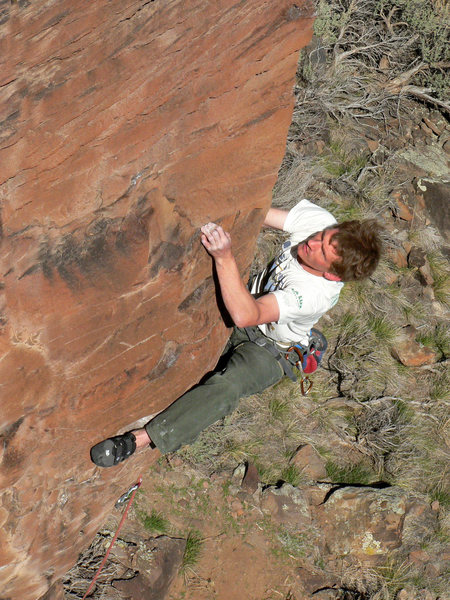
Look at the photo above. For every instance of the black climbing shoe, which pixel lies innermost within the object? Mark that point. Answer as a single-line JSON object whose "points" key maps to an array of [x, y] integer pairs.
{"points": [[114, 450]]}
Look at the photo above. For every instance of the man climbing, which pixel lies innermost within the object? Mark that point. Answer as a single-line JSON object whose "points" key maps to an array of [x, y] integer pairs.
{"points": [[283, 304]]}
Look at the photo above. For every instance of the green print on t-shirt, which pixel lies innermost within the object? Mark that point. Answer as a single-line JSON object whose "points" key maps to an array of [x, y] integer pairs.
{"points": [[298, 298]]}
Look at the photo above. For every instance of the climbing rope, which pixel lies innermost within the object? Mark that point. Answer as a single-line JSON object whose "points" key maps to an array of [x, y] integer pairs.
{"points": [[131, 494]]}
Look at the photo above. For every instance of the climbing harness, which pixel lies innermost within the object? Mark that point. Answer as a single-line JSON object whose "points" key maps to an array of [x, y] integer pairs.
{"points": [[129, 494], [304, 359], [255, 336]]}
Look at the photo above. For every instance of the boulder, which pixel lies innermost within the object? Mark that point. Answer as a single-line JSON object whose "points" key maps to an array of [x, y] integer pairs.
{"points": [[125, 127], [402, 210], [435, 194], [287, 505], [411, 354], [398, 256], [251, 482], [309, 462], [365, 525]]}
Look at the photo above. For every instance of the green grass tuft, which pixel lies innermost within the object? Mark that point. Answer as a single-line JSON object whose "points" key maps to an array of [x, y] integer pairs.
{"points": [[436, 337], [155, 522], [440, 387], [349, 474], [291, 474], [441, 277], [294, 545], [339, 162], [442, 496], [278, 408], [382, 328], [192, 551]]}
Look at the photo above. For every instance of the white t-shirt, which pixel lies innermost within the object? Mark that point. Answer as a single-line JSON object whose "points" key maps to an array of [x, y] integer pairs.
{"points": [[302, 297]]}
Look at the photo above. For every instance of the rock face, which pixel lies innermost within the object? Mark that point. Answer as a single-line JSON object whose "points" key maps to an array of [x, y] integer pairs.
{"points": [[125, 127]]}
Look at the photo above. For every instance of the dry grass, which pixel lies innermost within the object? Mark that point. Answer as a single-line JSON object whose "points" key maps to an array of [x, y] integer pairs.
{"points": [[78, 579]]}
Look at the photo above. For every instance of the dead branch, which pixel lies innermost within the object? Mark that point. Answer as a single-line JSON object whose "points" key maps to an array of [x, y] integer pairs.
{"points": [[440, 65], [387, 19], [433, 368], [397, 84], [421, 93], [358, 50], [350, 10]]}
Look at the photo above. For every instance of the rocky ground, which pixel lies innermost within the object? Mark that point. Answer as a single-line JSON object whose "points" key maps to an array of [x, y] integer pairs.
{"points": [[231, 537], [343, 493]]}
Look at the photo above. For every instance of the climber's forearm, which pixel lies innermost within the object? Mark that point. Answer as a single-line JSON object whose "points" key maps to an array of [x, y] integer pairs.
{"points": [[242, 307]]}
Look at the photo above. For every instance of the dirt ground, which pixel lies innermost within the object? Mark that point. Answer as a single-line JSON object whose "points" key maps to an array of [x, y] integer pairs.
{"points": [[233, 550], [239, 556]]}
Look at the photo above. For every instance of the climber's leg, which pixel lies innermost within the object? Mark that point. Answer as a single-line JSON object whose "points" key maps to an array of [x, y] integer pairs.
{"points": [[249, 370]]}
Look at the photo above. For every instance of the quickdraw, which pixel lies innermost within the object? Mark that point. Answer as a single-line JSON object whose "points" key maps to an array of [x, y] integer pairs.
{"points": [[305, 382], [124, 497]]}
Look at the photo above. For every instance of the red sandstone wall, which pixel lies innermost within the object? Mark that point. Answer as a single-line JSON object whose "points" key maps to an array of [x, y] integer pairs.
{"points": [[125, 125]]}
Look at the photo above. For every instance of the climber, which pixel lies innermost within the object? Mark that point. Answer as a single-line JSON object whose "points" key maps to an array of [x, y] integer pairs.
{"points": [[283, 303]]}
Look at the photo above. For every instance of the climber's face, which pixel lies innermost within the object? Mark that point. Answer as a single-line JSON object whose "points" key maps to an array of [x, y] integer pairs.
{"points": [[318, 252]]}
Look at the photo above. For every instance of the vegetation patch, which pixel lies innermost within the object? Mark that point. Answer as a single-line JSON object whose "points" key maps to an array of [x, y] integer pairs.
{"points": [[192, 551], [154, 522]]}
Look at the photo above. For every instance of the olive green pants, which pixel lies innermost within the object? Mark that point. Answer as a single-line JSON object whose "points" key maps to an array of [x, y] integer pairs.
{"points": [[245, 369]]}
